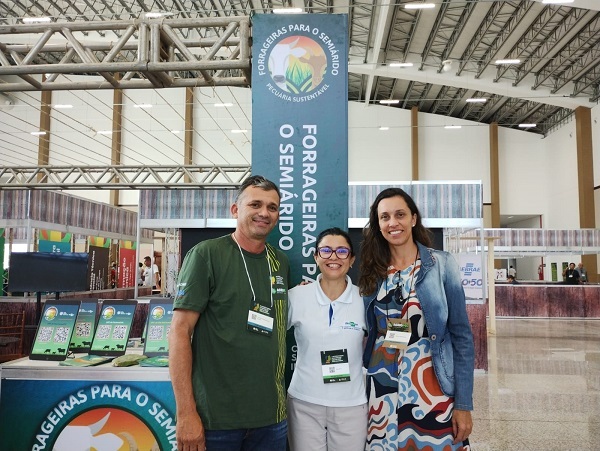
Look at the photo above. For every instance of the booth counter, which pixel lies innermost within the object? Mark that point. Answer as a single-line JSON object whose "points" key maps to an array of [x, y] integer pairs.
{"points": [[46, 406], [548, 301]]}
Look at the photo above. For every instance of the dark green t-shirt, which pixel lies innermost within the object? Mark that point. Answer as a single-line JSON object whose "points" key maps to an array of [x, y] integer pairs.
{"points": [[237, 375]]}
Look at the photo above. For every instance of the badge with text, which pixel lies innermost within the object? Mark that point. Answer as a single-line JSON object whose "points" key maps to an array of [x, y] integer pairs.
{"points": [[260, 320], [398, 333], [335, 367]]}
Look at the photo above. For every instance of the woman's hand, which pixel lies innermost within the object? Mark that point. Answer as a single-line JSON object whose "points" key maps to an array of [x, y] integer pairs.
{"points": [[462, 425]]}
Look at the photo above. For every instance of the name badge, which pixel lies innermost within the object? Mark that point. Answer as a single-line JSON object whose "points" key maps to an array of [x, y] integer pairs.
{"points": [[335, 367], [260, 320], [398, 333]]}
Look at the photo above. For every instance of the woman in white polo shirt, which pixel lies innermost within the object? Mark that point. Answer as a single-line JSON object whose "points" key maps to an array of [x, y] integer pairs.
{"points": [[327, 403]]}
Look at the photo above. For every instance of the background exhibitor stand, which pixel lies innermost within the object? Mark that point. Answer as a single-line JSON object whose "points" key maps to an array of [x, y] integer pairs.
{"points": [[42, 402]]}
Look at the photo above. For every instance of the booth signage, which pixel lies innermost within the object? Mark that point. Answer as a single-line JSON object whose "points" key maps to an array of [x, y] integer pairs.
{"points": [[300, 127], [300, 131], [80, 415], [471, 275], [98, 268]]}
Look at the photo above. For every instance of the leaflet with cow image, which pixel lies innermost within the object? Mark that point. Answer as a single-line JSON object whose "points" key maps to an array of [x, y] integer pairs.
{"points": [[54, 331], [158, 326], [113, 328]]}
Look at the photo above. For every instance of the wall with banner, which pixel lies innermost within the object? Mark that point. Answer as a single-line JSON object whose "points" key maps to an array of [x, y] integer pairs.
{"points": [[54, 241], [98, 256], [127, 266]]}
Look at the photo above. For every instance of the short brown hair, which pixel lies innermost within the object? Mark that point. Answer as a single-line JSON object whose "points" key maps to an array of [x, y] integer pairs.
{"points": [[258, 181]]}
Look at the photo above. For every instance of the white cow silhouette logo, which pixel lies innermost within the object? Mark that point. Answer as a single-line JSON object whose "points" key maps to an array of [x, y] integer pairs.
{"points": [[279, 61], [85, 438]]}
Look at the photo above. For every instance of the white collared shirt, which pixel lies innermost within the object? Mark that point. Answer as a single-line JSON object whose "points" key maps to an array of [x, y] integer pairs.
{"points": [[308, 313]]}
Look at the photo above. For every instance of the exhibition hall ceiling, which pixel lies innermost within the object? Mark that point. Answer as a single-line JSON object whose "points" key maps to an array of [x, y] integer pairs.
{"points": [[449, 56]]}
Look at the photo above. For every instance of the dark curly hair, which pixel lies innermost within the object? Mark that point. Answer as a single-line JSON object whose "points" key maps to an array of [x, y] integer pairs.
{"points": [[375, 252]]}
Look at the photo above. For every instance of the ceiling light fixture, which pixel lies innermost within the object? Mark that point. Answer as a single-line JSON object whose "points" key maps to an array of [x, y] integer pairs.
{"points": [[389, 102], [105, 132], [142, 105], [36, 19], [400, 65], [449, 127], [156, 14], [384, 128], [419, 5], [176, 132], [508, 61], [223, 105], [476, 100], [239, 131], [556, 2], [40, 133], [62, 107], [287, 10], [527, 125], [446, 65]]}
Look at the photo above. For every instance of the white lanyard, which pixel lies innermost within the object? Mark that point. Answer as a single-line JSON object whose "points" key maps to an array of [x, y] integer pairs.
{"points": [[248, 274]]}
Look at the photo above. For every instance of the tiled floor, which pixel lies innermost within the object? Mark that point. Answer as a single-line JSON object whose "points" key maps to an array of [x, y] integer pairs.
{"points": [[542, 391]]}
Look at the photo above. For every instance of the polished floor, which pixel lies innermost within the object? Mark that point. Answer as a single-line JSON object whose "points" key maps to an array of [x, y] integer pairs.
{"points": [[542, 390]]}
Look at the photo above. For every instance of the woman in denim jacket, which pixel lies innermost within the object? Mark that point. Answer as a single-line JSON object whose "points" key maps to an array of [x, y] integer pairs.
{"points": [[419, 352]]}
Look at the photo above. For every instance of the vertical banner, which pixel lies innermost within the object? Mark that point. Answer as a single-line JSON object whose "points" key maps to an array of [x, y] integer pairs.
{"points": [[127, 265], [53, 241], [471, 275], [4, 276], [300, 126], [98, 256], [300, 131]]}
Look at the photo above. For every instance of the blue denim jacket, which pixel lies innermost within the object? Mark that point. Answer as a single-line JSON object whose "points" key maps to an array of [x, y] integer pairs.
{"points": [[439, 290]]}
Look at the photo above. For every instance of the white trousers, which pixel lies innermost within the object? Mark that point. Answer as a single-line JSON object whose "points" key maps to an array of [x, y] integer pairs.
{"points": [[312, 427]]}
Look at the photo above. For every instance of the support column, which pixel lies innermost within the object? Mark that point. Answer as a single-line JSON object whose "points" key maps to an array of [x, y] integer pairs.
{"points": [[494, 182], [116, 147], [189, 129], [44, 140], [414, 135], [585, 179]]}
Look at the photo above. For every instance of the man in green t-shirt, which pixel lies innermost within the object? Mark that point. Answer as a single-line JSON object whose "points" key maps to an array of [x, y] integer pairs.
{"points": [[227, 340]]}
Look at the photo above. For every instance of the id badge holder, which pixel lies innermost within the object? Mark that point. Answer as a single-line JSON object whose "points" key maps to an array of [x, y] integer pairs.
{"points": [[335, 366], [260, 320], [398, 333]]}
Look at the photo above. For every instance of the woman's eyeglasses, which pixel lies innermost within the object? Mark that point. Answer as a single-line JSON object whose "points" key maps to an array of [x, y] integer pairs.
{"points": [[326, 252]]}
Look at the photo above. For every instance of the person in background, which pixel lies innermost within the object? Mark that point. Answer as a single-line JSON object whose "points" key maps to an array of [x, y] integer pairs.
{"points": [[582, 273], [419, 352], [227, 342], [151, 274], [512, 272], [327, 402], [140, 278], [113, 275], [570, 275], [511, 279]]}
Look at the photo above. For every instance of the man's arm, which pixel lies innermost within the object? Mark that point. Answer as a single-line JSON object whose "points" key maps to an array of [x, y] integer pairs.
{"points": [[190, 431], [156, 276]]}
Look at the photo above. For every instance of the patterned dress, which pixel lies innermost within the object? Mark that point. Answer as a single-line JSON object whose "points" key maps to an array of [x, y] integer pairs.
{"points": [[407, 408]]}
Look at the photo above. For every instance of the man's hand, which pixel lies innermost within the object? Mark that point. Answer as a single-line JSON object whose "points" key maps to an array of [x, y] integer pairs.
{"points": [[190, 433]]}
